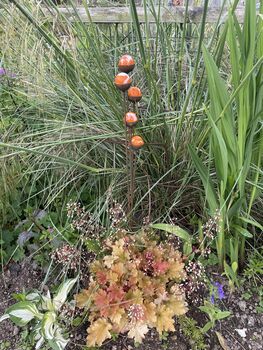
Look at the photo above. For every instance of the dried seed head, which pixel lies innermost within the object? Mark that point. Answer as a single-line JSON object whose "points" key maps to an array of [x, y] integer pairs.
{"points": [[67, 255], [117, 214]]}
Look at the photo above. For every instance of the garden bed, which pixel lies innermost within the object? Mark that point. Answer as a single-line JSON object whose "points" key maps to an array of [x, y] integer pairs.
{"points": [[245, 318]]}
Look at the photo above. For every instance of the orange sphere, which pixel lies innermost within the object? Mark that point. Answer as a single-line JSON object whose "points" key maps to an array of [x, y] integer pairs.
{"points": [[137, 142], [126, 63], [134, 94], [130, 119], [122, 81]]}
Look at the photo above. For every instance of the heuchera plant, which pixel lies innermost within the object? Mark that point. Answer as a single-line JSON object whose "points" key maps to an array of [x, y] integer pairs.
{"points": [[135, 287]]}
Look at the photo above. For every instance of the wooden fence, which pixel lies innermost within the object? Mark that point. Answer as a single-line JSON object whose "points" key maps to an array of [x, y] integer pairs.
{"points": [[168, 14]]}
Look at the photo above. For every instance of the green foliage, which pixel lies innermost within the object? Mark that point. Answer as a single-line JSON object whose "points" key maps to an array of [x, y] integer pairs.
{"points": [[61, 121], [252, 278], [254, 268], [214, 314], [234, 136], [75, 139], [192, 332], [179, 232], [42, 312], [37, 235]]}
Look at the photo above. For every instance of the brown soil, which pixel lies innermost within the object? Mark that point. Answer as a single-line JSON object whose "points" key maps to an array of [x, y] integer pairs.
{"points": [[244, 316], [15, 278]]}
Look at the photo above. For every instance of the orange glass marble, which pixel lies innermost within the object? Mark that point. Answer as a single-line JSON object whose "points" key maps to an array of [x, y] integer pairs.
{"points": [[126, 63], [134, 94], [122, 81], [130, 119], [137, 142]]}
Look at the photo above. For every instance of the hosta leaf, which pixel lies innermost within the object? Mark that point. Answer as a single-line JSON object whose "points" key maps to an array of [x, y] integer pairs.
{"points": [[187, 248], [39, 343], [98, 332], [23, 312], [252, 222], [46, 302], [33, 296], [63, 292], [176, 230], [138, 332], [48, 325], [59, 342], [56, 345], [4, 317]]}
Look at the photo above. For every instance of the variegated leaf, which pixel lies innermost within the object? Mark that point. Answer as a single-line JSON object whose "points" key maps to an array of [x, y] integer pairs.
{"points": [[23, 312], [48, 326], [63, 292]]}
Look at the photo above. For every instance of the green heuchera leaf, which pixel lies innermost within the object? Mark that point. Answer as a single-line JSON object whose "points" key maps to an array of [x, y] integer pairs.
{"points": [[176, 230], [23, 312], [63, 292]]}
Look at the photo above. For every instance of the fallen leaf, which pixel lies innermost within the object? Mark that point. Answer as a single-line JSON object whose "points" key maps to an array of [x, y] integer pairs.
{"points": [[222, 341]]}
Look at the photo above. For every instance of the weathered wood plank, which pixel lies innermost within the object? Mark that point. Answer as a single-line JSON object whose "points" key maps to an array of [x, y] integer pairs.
{"points": [[122, 14]]}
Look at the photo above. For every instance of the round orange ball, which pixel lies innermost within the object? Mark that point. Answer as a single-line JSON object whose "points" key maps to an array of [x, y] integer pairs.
{"points": [[122, 81], [126, 63], [137, 142], [130, 119], [134, 94]]}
